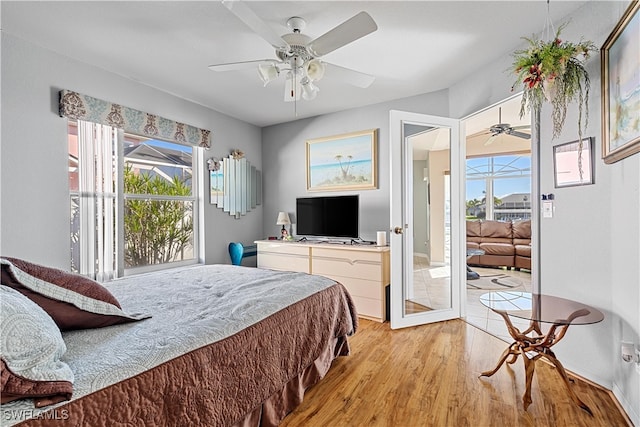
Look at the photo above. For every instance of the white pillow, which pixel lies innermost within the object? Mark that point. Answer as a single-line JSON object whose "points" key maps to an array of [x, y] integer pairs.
{"points": [[31, 348]]}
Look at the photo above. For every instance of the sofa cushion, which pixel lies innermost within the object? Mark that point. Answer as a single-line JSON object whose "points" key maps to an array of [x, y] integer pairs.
{"points": [[473, 231], [496, 229], [473, 228], [503, 249], [523, 250], [522, 229], [473, 245]]}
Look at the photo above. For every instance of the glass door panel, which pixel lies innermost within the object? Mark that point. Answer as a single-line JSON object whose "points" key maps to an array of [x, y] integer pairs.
{"points": [[425, 216]]}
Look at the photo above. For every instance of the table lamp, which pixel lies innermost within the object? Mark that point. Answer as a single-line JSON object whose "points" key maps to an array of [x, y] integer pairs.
{"points": [[283, 219]]}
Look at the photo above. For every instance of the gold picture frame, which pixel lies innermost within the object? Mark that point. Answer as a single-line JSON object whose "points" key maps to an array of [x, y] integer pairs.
{"points": [[343, 162], [619, 58]]}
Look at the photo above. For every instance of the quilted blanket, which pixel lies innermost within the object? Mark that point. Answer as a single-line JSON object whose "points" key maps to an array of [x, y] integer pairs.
{"points": [[222, 342]]}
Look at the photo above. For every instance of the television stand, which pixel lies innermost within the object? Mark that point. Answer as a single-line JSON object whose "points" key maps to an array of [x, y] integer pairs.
{"points": [[363, 269]]}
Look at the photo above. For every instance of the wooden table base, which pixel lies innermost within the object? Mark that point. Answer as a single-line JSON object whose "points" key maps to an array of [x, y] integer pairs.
{"points": [[540, 346]]}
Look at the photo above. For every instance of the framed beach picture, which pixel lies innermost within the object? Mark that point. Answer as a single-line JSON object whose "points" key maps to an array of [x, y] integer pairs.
{"points": [[620, 56], [343, 162], [572, 165]]}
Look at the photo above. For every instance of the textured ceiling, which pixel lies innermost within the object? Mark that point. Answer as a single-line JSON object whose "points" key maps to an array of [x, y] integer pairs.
{"points": [[419, 47]]}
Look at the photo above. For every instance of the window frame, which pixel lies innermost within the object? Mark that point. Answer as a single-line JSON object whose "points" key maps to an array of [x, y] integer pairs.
{"points": [[196, 198]]}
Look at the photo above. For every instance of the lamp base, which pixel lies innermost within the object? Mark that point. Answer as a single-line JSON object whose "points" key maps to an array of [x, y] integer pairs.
{"points": [[284, 233]]}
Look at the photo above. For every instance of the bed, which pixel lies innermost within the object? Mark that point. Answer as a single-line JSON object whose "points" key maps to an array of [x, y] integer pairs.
{"points": [[224, 346]]}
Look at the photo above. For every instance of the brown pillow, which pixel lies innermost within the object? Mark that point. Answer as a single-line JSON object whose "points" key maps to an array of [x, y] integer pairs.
{"points": [[74, 282], [73, 301]]}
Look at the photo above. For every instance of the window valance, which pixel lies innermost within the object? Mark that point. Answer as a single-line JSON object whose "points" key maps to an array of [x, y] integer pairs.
{"points": [[83, 107]]}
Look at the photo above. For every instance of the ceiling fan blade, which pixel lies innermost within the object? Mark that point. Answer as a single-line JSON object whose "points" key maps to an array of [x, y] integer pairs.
{"points": [[351, 30], [242, 65], [248, 16], [353, 77], [520, 134], [491, 139]]}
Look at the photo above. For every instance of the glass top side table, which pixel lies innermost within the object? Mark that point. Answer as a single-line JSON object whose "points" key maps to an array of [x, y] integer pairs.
{"points": [[557, 313]]}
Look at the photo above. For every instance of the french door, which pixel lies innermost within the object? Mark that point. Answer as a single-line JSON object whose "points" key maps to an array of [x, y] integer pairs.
{"points": [[427, 257]]}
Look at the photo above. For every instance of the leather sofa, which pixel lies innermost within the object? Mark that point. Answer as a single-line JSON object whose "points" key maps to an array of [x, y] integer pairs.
{"points": [[505, 243]]}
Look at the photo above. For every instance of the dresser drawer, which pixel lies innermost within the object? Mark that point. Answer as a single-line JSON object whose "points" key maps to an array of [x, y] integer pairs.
{"points": [[369, 308], [359, 287], [283, 261], [354, 264], [283, 248]]}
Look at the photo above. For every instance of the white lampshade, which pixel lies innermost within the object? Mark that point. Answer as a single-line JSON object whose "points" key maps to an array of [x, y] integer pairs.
{"points": [[283, 219], [268, 72], [315, 70], [309, 90]]}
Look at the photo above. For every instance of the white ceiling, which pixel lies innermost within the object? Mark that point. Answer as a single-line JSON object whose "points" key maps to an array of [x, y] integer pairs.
{"points": [[419, 47]]}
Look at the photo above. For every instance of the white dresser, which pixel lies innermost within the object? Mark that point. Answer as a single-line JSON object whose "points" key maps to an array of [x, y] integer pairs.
{"points": [[363, 270]]}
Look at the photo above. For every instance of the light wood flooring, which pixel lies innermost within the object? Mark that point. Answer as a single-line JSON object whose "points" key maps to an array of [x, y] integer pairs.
{"points": [[428, 376]]}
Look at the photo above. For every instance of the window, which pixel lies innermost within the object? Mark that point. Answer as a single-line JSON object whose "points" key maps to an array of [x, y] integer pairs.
{"points": [[506, 181], [133, 202]]}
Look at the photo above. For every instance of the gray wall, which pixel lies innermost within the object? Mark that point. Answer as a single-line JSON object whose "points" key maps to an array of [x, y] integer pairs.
{"points": [[283, 151], [589, 250], [34, 177]]}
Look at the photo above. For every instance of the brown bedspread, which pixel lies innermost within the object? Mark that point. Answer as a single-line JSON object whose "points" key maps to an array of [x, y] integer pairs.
{"points": [[254, 377]]}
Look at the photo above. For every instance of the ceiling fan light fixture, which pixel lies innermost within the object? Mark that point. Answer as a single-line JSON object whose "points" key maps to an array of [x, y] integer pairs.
{"points": [[268, 72], [315, 70], [309, 90]]}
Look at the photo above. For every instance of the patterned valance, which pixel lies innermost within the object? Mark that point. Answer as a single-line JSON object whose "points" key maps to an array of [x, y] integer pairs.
{"points": [[82, 107]]}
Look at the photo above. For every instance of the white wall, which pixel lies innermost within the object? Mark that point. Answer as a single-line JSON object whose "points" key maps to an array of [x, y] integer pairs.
{"points": [[283, 150], [589, 249], [34, 176]]}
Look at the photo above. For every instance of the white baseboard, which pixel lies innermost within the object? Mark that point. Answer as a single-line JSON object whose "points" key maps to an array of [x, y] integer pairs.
{"points": [[626, 405]]}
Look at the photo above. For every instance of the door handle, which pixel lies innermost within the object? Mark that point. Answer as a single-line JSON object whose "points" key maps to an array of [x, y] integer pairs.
{"points": [[397, 230]]}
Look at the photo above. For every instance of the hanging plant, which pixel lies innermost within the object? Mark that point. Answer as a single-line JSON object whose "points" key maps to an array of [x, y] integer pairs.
{"points": [[553, 71]]}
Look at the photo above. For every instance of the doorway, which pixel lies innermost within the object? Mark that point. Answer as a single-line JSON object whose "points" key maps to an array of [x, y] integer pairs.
{"points": [[498, 195]]}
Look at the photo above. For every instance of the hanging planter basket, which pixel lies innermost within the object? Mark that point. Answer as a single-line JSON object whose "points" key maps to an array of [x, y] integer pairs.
{"points": [[553, 71]]}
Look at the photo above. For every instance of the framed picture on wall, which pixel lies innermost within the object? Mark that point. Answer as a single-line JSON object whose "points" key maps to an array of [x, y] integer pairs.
{"points": [[572, 164], [620, 56], [343, 162]]}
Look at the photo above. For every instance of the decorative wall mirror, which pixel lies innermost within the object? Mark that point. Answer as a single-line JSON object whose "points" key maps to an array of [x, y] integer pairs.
{"points": [[234, 185]]}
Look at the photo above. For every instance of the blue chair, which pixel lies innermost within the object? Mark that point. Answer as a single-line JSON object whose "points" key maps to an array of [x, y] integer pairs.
{"points": [[238, 251]]}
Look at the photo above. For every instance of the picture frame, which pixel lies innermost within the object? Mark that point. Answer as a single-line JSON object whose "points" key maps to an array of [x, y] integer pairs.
{"points": [[572, 165], [619, 56], [343, 162]]}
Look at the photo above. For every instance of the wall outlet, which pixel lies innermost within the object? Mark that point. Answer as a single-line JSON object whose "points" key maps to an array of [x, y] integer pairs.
{"points": [[628, 351]]}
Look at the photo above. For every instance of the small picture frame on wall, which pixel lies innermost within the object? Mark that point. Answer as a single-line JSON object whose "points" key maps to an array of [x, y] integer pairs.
{"points": [[572, 164], [620, 56]]}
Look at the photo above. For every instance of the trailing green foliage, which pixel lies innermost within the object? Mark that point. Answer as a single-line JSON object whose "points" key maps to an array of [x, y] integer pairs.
{"points": [[554, 71], [156, 231]]}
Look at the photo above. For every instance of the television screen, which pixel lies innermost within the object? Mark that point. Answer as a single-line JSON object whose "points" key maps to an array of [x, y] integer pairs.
{"points": [[335, 216]]}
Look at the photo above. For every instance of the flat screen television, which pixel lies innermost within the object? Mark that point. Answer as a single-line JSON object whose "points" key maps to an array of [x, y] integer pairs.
{"points": [[329, 216]]}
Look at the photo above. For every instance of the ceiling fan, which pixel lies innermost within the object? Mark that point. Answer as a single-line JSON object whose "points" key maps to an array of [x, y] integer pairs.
{"points": [[505, 128], [298, 55]]}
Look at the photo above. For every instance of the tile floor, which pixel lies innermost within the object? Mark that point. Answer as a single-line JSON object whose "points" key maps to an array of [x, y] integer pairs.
{"points": [[482, 317], [431, 289]]}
